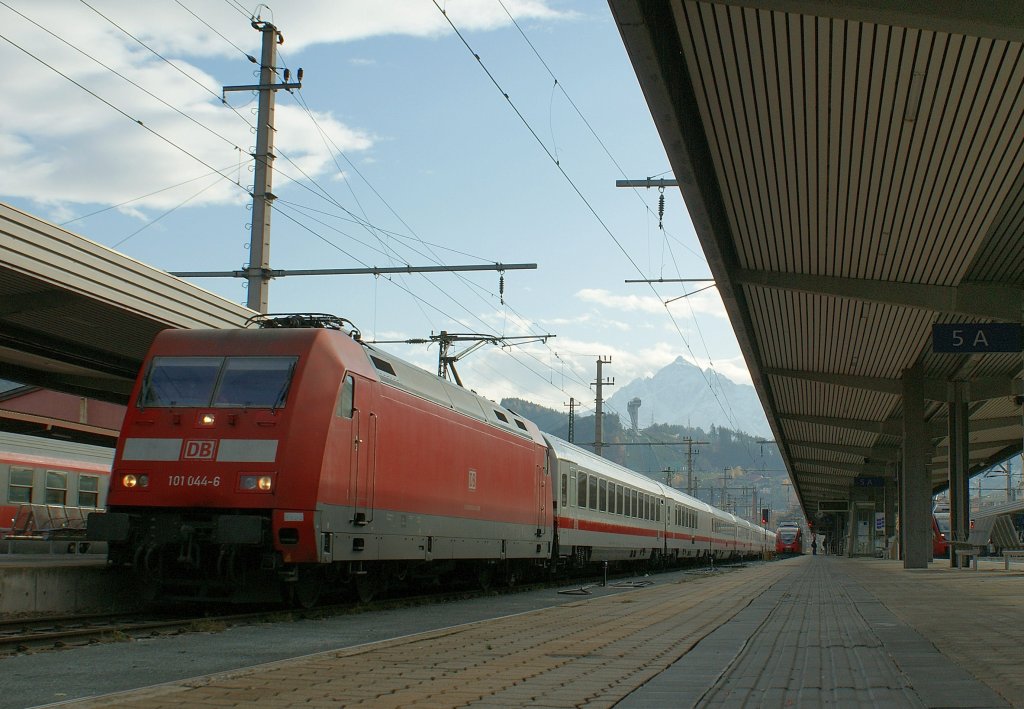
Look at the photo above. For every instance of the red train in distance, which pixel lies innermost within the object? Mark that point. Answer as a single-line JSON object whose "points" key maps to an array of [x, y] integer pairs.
{"points": [[48, 484], [295, 457], [789, 539], [940, 534]]}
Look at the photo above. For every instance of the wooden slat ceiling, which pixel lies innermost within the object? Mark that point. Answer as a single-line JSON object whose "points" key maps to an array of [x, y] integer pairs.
{"points": [[854, 173]]}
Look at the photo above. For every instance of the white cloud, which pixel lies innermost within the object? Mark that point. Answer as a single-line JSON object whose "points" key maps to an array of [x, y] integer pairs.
{"points": [[627, 303], [706, 302], [55, 135]]}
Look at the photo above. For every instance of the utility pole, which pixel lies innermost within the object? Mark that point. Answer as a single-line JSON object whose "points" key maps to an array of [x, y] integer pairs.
{"points": [[572, 419], [258, 273], [690, 443], [668, 475], [598, 432]]}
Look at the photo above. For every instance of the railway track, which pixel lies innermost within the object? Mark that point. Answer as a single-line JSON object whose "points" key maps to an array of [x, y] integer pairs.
{"points": [[38, 634], [48, 633]]}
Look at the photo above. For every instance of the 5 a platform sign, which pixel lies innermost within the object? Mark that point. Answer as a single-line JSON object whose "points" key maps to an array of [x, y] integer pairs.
{"points": [[976, 337]]}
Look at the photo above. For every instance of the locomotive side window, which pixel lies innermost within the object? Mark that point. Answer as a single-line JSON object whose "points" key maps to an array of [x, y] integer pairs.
{"points": [[56, 487], [255, 382], [88, 491], [20, 486], [346, 398]]}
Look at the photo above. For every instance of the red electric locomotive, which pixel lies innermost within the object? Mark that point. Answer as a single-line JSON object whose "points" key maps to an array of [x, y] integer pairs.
{"points": [[789, 539], [294, 456], [249, 457]]}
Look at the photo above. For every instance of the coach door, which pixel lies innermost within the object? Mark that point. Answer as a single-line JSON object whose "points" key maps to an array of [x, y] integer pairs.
{"points": [[364, 450]]}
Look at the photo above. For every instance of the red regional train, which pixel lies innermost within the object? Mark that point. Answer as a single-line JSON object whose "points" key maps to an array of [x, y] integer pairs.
{"points": [[295, 457], [789, 538], [47, 484]]}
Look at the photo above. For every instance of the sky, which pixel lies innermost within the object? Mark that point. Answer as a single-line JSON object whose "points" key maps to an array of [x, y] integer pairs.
{"points": [[401, 148]]}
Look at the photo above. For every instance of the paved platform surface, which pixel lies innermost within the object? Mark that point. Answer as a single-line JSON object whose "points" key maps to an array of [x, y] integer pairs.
{"points": [[804, 632]]}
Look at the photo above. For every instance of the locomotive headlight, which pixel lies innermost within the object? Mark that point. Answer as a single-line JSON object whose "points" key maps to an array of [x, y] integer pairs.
{"points": [[256, 483], [207, 419], [131, 481]]}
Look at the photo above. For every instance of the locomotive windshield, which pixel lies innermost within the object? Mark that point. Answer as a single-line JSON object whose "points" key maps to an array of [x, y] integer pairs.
{"points": [[246, 382]]}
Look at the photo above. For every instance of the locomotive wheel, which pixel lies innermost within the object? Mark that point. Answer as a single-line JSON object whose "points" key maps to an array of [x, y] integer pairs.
{"points": [[367, 586], [306, 590], [485, 577]]}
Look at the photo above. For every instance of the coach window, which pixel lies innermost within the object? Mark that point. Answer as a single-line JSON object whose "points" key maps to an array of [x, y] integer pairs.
{"points": [[564, 500], [618, 499], [657, 510], [603, 493], [346, 398], [20, 486], [56, 487], [581, 490], [88, 491], [634, 510], [592, 492]]}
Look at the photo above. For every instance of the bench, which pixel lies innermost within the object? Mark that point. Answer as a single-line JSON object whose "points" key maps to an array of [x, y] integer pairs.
{"points": [[1006, 540], [975, 544]]}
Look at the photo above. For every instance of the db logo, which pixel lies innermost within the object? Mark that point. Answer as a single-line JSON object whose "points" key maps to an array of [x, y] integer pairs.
{"points": [[199, 450]]}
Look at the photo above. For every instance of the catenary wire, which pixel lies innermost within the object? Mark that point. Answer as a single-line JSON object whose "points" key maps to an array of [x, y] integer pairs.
{"points": [[580, 194]]}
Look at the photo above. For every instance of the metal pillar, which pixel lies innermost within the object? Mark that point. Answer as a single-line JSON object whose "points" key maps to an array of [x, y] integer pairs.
{"points": [[915, 482], [262, 198], [959, 465], [599, 413]]}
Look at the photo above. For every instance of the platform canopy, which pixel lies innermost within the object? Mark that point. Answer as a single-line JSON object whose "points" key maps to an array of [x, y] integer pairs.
{"points": [[78, 317], [854, 173]]}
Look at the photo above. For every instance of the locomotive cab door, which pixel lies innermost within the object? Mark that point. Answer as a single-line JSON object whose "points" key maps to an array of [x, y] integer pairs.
{"points": [[357, 402]]}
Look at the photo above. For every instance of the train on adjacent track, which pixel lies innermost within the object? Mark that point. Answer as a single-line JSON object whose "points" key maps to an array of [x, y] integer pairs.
{"points": [[293, 457], [48, 484], [789, 538]]}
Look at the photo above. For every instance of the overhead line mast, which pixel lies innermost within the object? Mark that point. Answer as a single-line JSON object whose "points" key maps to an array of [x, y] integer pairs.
{"points": [[258, 273]]}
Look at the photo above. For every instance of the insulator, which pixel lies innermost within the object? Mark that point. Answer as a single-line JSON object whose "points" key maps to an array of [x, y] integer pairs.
{"points": [[501, 288], [661, 208]]}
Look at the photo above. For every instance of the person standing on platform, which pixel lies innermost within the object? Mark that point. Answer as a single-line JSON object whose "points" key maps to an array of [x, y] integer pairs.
{"points": [[814, 546]]}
